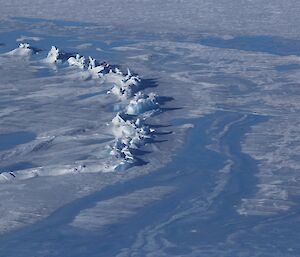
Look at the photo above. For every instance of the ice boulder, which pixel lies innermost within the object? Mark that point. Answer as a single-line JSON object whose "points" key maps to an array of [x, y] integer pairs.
{"points": [[142, 103]]}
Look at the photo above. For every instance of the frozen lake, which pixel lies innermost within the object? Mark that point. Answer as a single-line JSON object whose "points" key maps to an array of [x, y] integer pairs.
{"points": [[216, 172]]}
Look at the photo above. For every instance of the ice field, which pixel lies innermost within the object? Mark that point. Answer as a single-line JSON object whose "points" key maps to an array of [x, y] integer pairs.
{"points": [[149, 128]]}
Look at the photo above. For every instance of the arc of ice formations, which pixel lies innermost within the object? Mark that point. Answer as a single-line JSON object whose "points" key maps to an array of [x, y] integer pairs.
{"points": [[130, 133], [128, 127]]}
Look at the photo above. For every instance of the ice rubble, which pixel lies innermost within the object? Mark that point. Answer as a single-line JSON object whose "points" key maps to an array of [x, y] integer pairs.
{"points": [[128, 126], [94, 67], [125, 86], [129, 135], [78, 61], [142, 103], [129, 132]]}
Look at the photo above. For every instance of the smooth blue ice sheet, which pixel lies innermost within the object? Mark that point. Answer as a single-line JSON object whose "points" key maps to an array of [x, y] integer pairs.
{"points": [[10, 140]]}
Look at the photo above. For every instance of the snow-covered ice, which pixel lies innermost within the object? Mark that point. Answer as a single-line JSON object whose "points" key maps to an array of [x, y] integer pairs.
{"points": [[192, 151]]}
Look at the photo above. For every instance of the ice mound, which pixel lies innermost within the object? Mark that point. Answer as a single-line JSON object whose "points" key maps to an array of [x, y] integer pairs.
{"points": [[142, 103], [78, 61], [24, 50], [132, 133], [125, 86], [57, 56], [129, 134], [53, 55], [129, 130]]}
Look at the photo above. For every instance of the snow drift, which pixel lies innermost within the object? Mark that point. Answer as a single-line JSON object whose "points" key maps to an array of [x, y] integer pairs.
{"points": [[24, 50]]}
